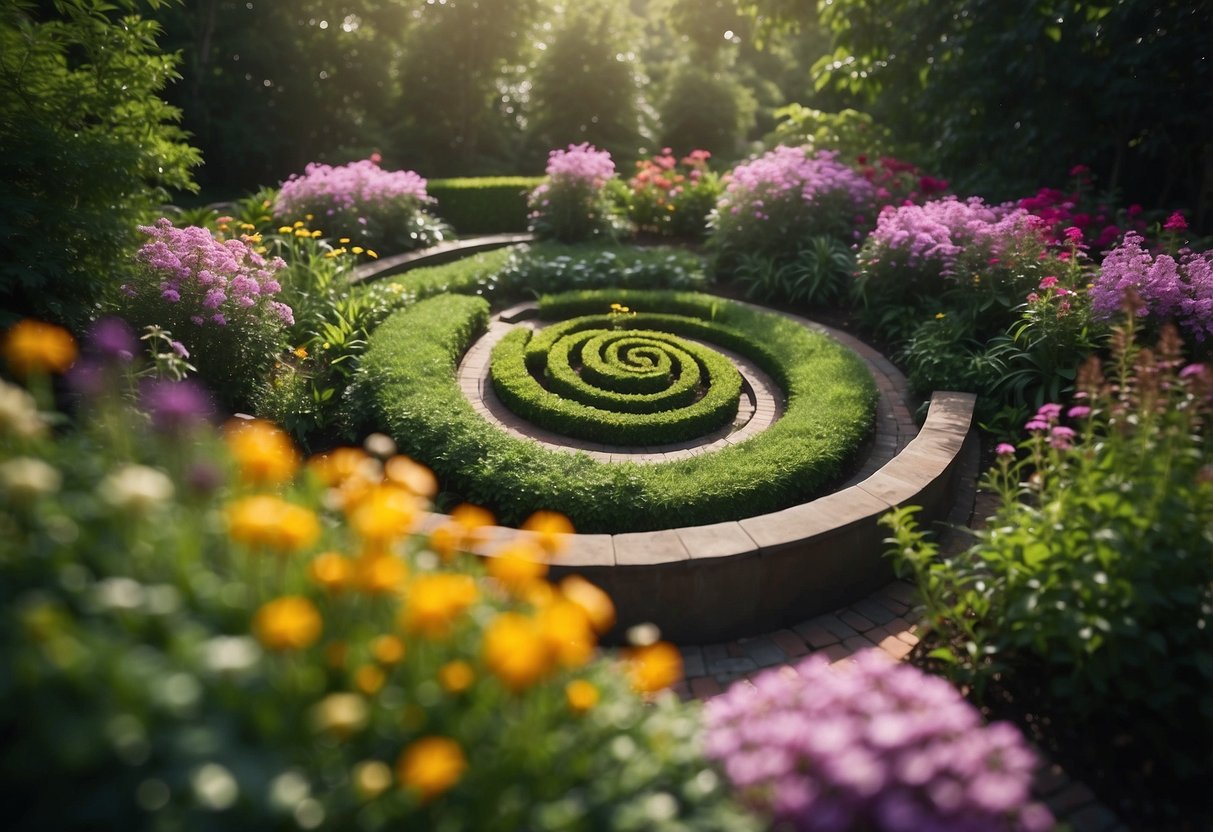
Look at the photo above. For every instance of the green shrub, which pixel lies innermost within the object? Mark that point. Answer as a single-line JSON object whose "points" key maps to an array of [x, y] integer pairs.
{"points": [[565, 402], [484, 205], [407, 388], [821, 272], [1094, 578], [672, 197]]}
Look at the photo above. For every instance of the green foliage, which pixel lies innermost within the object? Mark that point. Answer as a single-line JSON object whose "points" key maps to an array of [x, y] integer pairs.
{"points": [[486, 205], [672, 197], [849, 132], [822, 272], [1094, 576], [407, 388], [550, 267], [705, 107], [87, 150]]}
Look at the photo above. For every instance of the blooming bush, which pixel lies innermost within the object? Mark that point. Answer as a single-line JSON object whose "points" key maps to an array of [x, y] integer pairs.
{"points": [[572, 205], [879, 746], [1168, 288], [380, 209], [898, 182], [673, 197], [1089, 591], [787, 195], [217, 297], [205, 631], [1079, 207]]}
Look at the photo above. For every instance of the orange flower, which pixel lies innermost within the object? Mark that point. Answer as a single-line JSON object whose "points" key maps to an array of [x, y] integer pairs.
{"points": [[333, 571], [264, 453], [388, 649], [445, 539], [596, 603], [431, 766], [266, 522], [385, 514], [369, 679], [516, 651], [288, 623], [338, 465], [456, 676], [33, 347], [567, 630], [435, 602], [654, 667], [382, 574], [471, 519], [412, 475], [551, 530], [517, 566], [581, 695]]}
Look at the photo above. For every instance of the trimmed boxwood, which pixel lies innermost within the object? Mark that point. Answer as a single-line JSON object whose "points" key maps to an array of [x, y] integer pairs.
{"points": [[484, 205], [407, 381]]}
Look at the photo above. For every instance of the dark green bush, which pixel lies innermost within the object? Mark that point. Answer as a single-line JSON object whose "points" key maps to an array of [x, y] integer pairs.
{"points": [[484, 205], [406, 387]]}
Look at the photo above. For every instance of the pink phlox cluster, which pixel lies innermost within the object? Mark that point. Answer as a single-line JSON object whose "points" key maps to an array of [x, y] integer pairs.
{"points": [[331, 190], [581, 162], [879, 745], [222, 277], [790, 172], [1177, 290], [938, 231]]}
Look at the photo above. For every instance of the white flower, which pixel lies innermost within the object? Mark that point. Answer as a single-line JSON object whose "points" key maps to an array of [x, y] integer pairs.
{"points": [[25, 478], [18, 412], [136, 488]]}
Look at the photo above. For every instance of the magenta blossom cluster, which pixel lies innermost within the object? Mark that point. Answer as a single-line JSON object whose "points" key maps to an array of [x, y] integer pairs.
{"points": [[1045, 423], [878, 745], [935, 233], [789, 175], [346, 191], [1169, 289], [213, 281], [581, 161]]}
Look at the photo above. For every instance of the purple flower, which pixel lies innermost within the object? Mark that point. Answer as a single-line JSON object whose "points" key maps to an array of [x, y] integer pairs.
{"points": [[1036, 424], [176, 406], [1192, 370], [1079, 411], [1179, 290], [112, 338], [1004, 449], [1049, 411], [1061, 437]]}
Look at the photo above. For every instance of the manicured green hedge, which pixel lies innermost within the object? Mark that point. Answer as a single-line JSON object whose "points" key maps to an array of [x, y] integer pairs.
{"points": [[572, 407], [484, 205], [407, 384]]}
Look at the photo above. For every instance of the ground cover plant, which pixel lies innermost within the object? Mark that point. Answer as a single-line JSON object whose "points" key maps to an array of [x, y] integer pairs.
{"points": [[203, 630], [407, 388]]}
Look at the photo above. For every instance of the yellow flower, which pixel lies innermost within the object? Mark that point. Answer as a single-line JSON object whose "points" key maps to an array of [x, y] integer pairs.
{"points": [[371, 254], [470, 520], [445, 539], [341, 714], [371, 779], [266, 522], [385, 513], [568, 632], [309, 217], [551, 530], [344, 241], [516, 651], [302, 232], [431, 766], [357, 249], [288, 623], [369, 679], [263, 452], [654, 666], [412, 475], [581, 695], [300, 352], [517, 566], [597, 604], [248, 226], [337, 466], [285, 229], [939, 316], [333, 571], [388, 649], [382, 574], [435, 601], [298, 223], [33, 347], [316, 233], [456, 676]]}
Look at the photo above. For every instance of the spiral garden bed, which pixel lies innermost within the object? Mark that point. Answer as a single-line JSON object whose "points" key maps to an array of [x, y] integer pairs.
{"points": [[727, 528]]}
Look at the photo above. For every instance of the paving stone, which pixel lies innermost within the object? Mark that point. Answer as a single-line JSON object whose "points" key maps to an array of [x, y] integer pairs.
{"points": [[692, 661], [835, 652], [855, 621], [901, 591], [731, 665], [876, 613], [1070, 799], [855, 644], [713, 652], [816, 635], [790, 643], [764, 652], [703, 687], [834, 625], [895, 647]]}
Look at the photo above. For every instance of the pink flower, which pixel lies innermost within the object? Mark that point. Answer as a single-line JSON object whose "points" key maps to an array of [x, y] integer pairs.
{"points": [[1176, 222], [1048, 282], [1033, 297], [1061, 437], [1079, 170], [1004, 449]]}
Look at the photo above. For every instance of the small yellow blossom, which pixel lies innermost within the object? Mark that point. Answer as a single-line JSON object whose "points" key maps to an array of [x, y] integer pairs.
{"points": [[331, 570], [568, 632], [300, 352], [317, 233], [303, 232], [517, 566], [516, 651], [581, 695], [388, 649], [382, 574], [445, 539], [598, 607], [939, 316], [338, 465], [384, 514], [456, 676], [264, 453], [357, 249], [431, 766], [341, 714], [344, 241], [435, 601], [412, 475], [371, 779], [298, 223], [33, 347], [369, 679], [285, 229], [654, 667], [551, 530], [371, 254], [267, 522], [288, 623]]}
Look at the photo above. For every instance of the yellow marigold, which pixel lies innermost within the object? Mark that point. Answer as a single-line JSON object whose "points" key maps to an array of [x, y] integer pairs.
{"points": [[288, 623], [435, 601], [516, 651], [369, 679], [471, 519], [517, 566], [300, 352], [431, 766], [551, 530], [285, 229], [383, 574], [581, 695], [338, 465], [344, 240], [341, 714], [372, 254], [388, 649], [371, 779], [357, 249], [384, 514], [568, 632], [33, 347], [596, 603], [456, 676], [654, 667], [445, 540], [264, 454], [267, 522], [412, 475], [331, 570]]}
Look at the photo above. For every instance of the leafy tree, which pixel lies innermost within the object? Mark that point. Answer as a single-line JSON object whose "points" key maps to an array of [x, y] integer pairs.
{"points": [[87, 150], [705, 108]]}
